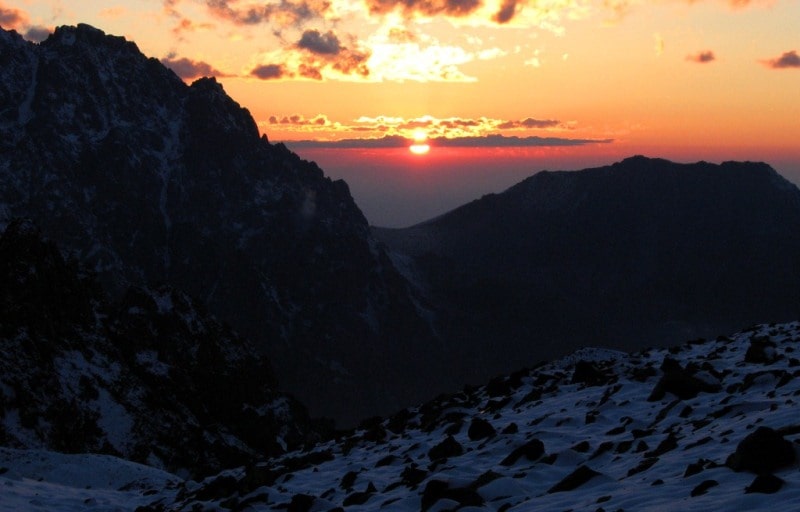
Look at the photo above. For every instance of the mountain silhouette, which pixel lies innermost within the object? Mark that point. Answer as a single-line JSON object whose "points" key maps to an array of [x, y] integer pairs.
{"points": [[150, 181], [642, 252]]}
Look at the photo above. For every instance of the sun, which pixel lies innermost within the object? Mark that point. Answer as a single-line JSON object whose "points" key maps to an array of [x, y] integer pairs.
{"points": [[420, 145]]}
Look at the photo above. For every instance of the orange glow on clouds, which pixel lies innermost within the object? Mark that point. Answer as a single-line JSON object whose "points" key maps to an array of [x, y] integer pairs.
{"points": [[722, 75]]}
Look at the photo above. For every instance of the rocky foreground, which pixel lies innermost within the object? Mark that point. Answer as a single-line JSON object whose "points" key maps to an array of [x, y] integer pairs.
{"points": [[709, 425]]}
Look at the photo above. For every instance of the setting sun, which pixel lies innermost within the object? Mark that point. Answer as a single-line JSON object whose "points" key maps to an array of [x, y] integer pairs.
{"points": [[420, 145]]}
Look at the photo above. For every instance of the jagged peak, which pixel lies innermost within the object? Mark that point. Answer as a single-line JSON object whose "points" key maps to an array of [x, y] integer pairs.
{"points": [[82, 33]]}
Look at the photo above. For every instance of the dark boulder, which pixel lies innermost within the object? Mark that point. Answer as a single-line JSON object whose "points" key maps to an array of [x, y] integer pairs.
{"points": [[765, 484], [762, 451], [531, 450], [480, 429], [681, 383], [587, 373], [446, 449], [761, 351]]}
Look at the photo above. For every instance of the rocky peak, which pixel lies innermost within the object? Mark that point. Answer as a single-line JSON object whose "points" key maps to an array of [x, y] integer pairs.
{"points": [[149, 181]]}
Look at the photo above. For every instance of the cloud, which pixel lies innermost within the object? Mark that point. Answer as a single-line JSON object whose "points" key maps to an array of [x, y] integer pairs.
{"points": [[486, 141], [788, 59], [529, 123], [455, 8], [37, 33], [703, 57], [299, 120], [189, 69], [271, 72], [326, 51], [12, 18], [321, 126], [186, 25], [284, 13], [321, 44], [507, 11]]}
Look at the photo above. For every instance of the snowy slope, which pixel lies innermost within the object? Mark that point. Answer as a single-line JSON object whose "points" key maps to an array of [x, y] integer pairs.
{"points": [[40, 480], [509, 445], [649, 452]]}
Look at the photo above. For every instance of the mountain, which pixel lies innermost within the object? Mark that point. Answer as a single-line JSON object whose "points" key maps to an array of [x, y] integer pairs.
{"points": [[702, 426], [642, 250], [149, 181], [152, 378]]}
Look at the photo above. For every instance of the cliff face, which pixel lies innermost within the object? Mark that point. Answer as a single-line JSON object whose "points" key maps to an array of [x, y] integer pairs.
{"points": [[148, 180]]}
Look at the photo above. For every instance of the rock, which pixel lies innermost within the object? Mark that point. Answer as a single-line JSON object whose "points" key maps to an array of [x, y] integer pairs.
{"points": [[531, 450], [587, 373], [765, 484], [762, 451], [301, 503], [446, 449], [703, 487], [480, 429], [680, 383], [438, 489], [574, 480], [761, 351]]}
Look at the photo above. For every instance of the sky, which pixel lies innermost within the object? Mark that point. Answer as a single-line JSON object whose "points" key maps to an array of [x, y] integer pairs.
{"points": [[422, 105]]}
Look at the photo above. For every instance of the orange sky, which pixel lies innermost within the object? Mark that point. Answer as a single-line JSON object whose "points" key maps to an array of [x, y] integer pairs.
{"points": [[699, 79]]}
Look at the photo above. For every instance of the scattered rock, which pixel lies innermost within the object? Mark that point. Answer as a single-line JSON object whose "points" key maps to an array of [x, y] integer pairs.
{"points": [[679, 382]]}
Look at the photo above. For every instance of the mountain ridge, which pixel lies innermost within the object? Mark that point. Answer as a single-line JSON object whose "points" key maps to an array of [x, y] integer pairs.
{"points": [[148, 180], [641, 249]]}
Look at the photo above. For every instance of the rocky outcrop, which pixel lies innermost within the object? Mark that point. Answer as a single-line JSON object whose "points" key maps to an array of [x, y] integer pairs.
{"points": [[152, 378]]}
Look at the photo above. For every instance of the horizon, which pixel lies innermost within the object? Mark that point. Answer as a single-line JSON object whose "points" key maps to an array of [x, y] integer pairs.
{"points": [[424, 106]]}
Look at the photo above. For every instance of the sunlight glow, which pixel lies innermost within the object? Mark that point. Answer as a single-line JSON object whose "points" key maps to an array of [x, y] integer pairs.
{"points": [[419, 149]]}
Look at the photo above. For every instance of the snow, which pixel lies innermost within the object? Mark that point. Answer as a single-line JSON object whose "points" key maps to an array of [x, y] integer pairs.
{"points": [[39, 480], [707, 428]]}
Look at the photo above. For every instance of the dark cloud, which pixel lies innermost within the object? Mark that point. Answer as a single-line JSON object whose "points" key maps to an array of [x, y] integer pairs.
{"points": [[327, 50], [285, 13], [12, 18], [189, 69], [789, 59], [506, 12], [321, 44], [426, 7], [299, 120], [529, 123], [270, 72], [488, 141], [703, 57], [37, 34]]}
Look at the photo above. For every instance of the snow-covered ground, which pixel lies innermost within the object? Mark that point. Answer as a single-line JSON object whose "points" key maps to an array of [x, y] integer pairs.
{"points": [[599, 430], [41, 480]]}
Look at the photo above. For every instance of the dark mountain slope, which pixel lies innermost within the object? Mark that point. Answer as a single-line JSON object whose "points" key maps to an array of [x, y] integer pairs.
{"points": [[153, 378], [149, 180], [644, 249]]}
